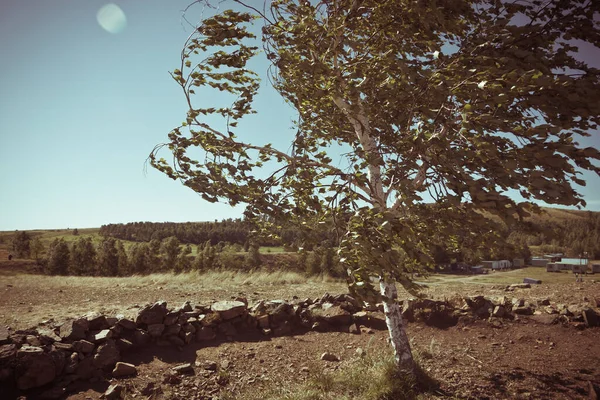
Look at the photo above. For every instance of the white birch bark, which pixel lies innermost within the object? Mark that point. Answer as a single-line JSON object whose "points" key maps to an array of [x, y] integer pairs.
{"points": [[393, 315], [393, 319]]}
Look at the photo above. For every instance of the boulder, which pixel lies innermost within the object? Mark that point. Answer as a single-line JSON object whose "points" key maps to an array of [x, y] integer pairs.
{"points": [[155, 330], [229, 309], [173, 329], [127, 323], [7, 352], [205, 333], [141, 337], [499, 312], [124, 369], [74, 330], [336, 316], [34, 368], [4, 335], [97, 321], [107, 355], [103, 335], [153, 314], [171, 318], [590, 317], [83, 346]]}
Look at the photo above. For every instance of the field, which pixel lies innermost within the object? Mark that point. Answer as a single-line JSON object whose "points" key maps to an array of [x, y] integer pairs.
{"points": [[522, 359]]}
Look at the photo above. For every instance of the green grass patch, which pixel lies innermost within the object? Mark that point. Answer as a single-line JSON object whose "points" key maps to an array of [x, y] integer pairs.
{"points": [[368, 378]]}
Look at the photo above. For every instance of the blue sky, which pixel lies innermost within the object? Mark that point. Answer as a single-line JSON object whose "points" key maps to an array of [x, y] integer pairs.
{"points": [[81, 108]]}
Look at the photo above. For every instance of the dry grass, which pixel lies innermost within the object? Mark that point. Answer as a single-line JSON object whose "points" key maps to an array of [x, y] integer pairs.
{"points": [[506, 277], [228, 279], [215, 280]]}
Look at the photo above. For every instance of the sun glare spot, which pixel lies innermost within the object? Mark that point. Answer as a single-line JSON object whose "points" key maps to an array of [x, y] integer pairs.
{"points": [[111, 18]]}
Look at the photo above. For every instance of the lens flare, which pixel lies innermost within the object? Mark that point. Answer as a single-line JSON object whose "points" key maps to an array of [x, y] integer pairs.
{"points": [[111, 18]]}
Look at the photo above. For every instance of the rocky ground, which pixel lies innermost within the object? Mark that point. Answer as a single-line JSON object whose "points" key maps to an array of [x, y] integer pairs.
{"points": [[476, 341]]}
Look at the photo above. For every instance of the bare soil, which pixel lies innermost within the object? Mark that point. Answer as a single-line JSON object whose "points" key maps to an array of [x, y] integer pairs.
{"points": [[522, 359]]}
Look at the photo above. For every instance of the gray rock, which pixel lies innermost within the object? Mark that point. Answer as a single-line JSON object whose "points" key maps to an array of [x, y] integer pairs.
{"points": [[176, 341], [173, 329], [329, 357], [153, 314], [97, 321], [229, 309], [141, 338], [205, 333], [590, 317], [103, 335], [72, 363], [127, 324], [263, 321], [34, 369], [48, 335], [29, 350], [171, 318], [85, 368], [207, 365], [155, 330], [107, 355], [4, 335], [184, 369], [124, 369], [74, 330], [113, 392], [336, 316], [499, 312], [83, 346], [7, 352]]}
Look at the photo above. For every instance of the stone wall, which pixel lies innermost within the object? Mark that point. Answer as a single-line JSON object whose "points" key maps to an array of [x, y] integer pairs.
{"points": [[48, 360]]}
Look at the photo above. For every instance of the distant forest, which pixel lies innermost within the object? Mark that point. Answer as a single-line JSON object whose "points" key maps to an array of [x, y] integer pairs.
{"points": [[230, 231], [231, 244], [570, 232], [233, 231], [573, 233]]}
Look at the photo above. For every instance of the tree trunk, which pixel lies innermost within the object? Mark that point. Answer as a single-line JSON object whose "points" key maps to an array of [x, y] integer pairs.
{"points": [[393, 319]]}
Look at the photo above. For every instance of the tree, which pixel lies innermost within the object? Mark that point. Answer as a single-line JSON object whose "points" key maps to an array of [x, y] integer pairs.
{"points": [[170, 251], [108, 258], [153, 262], [184, 262], [58, 257], [123, 265], [20, 244], [139, 258], [37, 249], [434, 113], [83, 257], [252, 258]]}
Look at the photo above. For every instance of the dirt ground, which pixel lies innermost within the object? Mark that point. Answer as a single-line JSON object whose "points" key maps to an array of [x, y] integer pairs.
{"points": [[522, 359]]}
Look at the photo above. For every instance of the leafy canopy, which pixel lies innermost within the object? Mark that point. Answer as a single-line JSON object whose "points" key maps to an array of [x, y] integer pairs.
{"points": [[455, 103]]}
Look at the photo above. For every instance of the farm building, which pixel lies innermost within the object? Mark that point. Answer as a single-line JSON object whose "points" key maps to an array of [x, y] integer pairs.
{"points": [[539, 262], [478, 269], [595, 268], [579, 268], [490, 264], [555, 257], [553, 267], [497, 264], [518, 262]]}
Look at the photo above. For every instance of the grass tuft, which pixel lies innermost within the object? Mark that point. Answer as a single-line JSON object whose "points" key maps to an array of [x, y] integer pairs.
{"points": [[368, 378]]}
